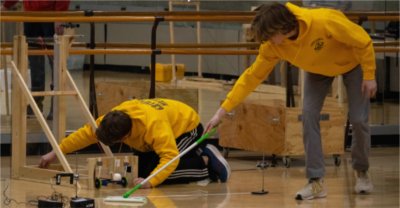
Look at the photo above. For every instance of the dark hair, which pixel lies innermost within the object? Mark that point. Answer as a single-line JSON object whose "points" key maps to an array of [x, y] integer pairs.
{"points": [[272, 19], [114, 126]]}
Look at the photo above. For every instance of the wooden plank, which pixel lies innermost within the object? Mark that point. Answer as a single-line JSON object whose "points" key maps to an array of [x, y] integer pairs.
{"points": [[53, 93], [341, 90], [4, 66], [204, 83], [19, 108], [60, 57]]}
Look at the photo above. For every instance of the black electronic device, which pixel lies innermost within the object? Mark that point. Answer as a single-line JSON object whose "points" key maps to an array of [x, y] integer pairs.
{"points": [[48, 203], [78, 202]]}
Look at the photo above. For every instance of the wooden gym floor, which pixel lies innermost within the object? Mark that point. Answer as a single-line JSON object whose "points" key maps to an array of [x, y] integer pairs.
{"points": [[282, 183]]}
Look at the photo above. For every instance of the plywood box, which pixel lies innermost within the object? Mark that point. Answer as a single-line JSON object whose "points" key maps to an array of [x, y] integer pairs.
{"points": [[111, 94], [270, 127], [254, 127]]}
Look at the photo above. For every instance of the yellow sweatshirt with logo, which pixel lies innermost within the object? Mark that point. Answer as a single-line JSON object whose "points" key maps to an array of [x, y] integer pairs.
{"points": [[156, 123], [328, 44]]}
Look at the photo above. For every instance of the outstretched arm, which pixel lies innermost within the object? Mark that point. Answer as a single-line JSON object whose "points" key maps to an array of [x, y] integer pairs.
{"points": [[83, 137], [247, 82]]}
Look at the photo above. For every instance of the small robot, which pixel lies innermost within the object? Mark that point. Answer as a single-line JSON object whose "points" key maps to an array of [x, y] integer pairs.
{"points": [[115, 177]]}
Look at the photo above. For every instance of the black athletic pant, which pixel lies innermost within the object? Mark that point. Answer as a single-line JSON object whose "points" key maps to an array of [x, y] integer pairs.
{"points": [[37, 63], [191, 166]]}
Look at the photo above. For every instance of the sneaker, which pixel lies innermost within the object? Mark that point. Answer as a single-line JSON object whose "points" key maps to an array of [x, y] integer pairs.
{"points": [[363, 184], [217, 163], [212, 175], [314, 189]]}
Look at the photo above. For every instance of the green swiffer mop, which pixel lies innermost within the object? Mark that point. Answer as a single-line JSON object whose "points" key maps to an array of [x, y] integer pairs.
{"points": [[126, 198]]}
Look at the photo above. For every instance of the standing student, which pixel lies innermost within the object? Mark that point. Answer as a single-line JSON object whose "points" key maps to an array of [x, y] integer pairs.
{"points": [[325, 44], [39, 31], [158, 129]]}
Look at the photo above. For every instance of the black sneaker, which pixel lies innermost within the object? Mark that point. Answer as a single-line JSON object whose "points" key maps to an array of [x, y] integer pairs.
{"points": [[211, 174], [217, 163]]}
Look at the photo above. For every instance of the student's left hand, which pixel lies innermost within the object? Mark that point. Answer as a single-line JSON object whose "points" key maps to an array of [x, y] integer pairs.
{"points": [[136, 181], [368, 88], [46, 159]]}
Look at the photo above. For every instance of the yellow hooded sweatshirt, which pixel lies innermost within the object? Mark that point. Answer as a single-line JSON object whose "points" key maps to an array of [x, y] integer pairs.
{"points": [[156, 123], [328, 44]]}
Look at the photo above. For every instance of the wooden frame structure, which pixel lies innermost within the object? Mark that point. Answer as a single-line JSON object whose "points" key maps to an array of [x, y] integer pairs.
{"points": [[64, 86]]}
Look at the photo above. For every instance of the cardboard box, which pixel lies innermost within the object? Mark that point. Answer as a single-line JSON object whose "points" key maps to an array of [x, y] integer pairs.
{"points": [[164, 72]]}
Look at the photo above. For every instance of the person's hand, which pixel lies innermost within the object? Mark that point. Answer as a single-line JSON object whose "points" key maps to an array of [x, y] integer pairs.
{"points": [[46, 159], [136, 181], [58, 28], [368, 88], [215, 120]]}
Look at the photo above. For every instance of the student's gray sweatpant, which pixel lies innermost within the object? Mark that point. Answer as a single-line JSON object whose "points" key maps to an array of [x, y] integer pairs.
{"points": [[315, 90]]}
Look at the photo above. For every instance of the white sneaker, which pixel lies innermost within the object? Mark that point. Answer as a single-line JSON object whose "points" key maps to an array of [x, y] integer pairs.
{"points": [[363, 184], [314, 189]]}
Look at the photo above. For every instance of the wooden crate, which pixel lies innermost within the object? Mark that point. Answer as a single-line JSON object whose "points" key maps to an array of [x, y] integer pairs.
{"points": [[253, 126], [270, 127], [110, 94]]}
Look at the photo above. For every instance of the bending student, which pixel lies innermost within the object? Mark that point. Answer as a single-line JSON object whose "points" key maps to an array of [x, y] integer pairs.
{"points": [[325, 44], [158, 129]]}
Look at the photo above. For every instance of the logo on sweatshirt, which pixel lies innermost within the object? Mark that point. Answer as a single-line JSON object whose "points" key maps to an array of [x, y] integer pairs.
{"points": [[157, 104], [317, 44]]}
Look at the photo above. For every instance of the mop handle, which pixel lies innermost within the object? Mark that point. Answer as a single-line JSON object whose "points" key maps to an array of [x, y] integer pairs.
{"points": [[201, 139]]}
